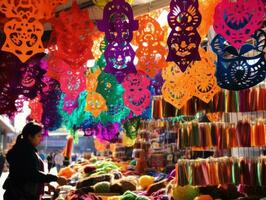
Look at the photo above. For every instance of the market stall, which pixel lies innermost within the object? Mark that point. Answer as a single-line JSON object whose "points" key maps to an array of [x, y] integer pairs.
{"points": [[173, 94]]}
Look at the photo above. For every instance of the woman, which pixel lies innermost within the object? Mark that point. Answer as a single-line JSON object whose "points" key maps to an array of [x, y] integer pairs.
{"points": [[26, 178]]}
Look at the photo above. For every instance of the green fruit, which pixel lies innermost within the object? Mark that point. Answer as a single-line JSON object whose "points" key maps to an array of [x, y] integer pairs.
{"points": [[142, 198], [102, 187], [129, 196]]}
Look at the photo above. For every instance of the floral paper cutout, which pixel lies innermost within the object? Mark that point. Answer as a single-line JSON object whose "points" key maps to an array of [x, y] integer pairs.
{"points": [[198, 80], [203, 76], [24, 31], [184, 40], [151, 52], [243, 68], [237, 21], [137, 97], [73, 32]]}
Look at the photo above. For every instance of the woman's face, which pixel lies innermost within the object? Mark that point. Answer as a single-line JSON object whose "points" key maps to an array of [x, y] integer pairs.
{"points": [[36, 139]]}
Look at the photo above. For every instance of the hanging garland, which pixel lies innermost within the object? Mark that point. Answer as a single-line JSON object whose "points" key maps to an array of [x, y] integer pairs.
{"points": [[137, 97], [198, 80], [240, 69], [118, 24], [73, 31], [151, 52], [184, 40]]}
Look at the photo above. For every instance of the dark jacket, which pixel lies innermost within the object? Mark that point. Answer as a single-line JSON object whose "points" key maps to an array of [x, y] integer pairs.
{"points": [[26, 176]]}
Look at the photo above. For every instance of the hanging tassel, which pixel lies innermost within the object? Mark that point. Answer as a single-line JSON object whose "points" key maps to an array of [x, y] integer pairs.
{"points": [[254, 99]]}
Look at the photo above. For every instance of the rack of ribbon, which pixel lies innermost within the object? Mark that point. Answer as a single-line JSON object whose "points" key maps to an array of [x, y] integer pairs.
{"points": [[224, 170], [248, 100], [221, 135]]}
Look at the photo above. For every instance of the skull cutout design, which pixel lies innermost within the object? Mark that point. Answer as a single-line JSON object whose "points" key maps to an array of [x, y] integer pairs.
{"points": [[95, 103], [109, 88], [178, 92], [30, 76], [237, 21], [75, 46], [118, 21], [24, 31], [240, 69], [151, 53], [184, 40], [137, 97], [119, 58]]}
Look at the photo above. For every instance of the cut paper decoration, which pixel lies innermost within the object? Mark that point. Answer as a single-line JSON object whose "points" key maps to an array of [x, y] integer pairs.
{"points": [[131, 127], [203, 76], [198, 80], [109, 132], [178, 92], [24, 31], [115, 113], [206, 9], [97, 50], [118, 21], [95, 103], [184, 40], [50, 98], [56, 67], [102, 3], [137, 97], [73, 32], [74, 120], [151, 52], [36, 109], [156, 84], [118, 24], [119, 59], [73, 82], [109, 88], [237, 21], [7, 100], [70, 103], [30, 78], [23, 78], [171, 72], [240, 69], [92, 80]]}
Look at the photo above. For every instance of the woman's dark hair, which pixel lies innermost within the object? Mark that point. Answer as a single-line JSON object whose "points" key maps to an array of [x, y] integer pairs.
{"points": [[30, 129]]}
